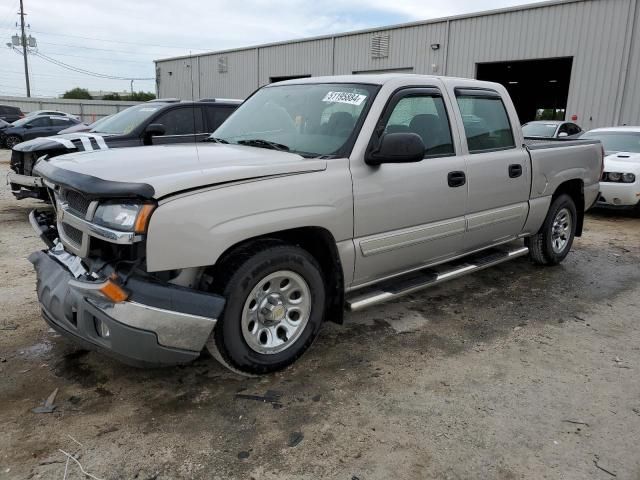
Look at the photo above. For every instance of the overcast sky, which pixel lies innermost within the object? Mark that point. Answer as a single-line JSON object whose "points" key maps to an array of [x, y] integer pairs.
{"points": [[123, 37]]}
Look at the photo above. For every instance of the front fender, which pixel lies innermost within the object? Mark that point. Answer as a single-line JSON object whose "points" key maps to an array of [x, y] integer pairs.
{"points": [[194, 229]]}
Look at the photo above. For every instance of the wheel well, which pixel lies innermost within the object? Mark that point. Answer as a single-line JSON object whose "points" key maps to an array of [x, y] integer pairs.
{"points": [[575, 189], [320, 243]]}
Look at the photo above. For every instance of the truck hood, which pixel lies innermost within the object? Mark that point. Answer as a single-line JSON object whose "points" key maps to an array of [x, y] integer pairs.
{"points": [[169, 169], [623, 162]]}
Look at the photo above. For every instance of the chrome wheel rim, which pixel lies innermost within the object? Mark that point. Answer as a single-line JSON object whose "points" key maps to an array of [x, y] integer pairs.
{"points": [[276, 312], [561, 230]]}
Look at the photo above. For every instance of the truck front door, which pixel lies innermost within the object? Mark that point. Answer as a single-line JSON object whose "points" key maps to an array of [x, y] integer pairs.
{"points": [[409, 214]]}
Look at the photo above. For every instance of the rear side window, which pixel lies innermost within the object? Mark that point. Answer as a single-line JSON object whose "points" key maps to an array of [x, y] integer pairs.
{"points": [[486, 123], [425, 115], [216, 116]]}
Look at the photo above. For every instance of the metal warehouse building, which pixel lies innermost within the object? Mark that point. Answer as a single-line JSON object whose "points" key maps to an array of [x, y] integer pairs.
{"points": [[559, 59]]}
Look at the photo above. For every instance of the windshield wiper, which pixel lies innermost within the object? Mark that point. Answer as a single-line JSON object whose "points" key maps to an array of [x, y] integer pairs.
{"points": [[217, 140], [257, 142]]}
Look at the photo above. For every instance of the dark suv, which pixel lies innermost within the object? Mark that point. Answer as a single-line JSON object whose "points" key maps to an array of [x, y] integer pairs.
{"points": [[10, 114], [156, 122]]}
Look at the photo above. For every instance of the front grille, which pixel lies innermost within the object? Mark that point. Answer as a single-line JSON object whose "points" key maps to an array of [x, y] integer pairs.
{"points": [[72, 233], [77, 202]]}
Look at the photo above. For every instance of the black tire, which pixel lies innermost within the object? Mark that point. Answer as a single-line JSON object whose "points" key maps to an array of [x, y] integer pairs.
{"points": [[237, 278], [541, 245], [11, 141]]}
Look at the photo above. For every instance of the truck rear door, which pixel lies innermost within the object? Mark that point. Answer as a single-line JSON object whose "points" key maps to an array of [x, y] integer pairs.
{"points": [[409, 214], [498, 168]]}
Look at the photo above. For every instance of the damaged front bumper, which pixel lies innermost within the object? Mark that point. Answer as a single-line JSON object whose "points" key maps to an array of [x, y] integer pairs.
{"points": [[26, 186], [158, 323]]}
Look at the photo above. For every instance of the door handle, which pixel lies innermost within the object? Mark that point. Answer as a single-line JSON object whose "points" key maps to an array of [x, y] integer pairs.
{"points": [[515, 170], [456, 179]]}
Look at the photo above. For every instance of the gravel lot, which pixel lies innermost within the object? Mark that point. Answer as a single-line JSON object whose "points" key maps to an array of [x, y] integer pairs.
{"points": [[515, 372]]}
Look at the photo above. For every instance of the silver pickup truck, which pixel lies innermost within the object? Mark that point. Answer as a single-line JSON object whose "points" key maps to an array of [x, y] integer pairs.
{"points": [[315, 196]]}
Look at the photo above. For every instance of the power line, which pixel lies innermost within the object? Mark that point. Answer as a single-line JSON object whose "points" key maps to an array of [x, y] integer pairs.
{"points": [[111, 60], [120, 41], [87, 72], [95, 48]]}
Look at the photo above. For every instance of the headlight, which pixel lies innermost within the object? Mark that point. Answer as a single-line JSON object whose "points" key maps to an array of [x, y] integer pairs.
{"points": [[618, 177], [128, 217]]}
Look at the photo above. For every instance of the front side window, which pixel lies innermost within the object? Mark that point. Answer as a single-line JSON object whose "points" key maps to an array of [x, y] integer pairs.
{"points": [[426, 116], [40, 122], [486, 123], [181, 121], [311, 119], [573, 129]]}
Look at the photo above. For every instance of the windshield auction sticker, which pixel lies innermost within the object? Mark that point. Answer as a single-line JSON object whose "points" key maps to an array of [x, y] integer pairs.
{"points": [[344, 97]]}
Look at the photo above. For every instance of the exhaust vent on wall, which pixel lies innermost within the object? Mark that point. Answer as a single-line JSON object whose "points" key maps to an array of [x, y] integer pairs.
{"points": [[223, 66], [380, 46]]}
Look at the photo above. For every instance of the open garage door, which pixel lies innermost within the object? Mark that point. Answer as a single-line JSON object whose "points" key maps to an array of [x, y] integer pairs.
{"points": [[539, 88]]}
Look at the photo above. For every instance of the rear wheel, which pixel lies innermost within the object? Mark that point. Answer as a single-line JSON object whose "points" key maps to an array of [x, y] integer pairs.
{"points": [[12, 140], [275, 307], [553, 241]]}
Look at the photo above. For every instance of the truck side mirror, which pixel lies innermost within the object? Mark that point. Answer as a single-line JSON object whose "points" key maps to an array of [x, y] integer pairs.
{"points": [[401, 147], [153, 130]]}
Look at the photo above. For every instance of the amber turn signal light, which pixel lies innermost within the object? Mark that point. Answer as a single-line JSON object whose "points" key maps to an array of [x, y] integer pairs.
{"points": [[113, 291], [142, 220]]}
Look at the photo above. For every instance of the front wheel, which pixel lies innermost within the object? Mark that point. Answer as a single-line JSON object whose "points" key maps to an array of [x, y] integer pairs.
{"points": [[554, 239], [275, 307], [12, 140]]}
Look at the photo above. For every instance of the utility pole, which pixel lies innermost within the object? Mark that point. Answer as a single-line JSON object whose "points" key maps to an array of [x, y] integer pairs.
{"points": [[24, 49]]}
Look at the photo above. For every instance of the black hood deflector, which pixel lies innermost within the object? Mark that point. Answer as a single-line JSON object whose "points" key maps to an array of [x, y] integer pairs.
{"points": [[90, 186]]}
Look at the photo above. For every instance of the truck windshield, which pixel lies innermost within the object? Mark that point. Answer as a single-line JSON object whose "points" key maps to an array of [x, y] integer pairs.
{"points": [[127, 120], [312, 119], [539, 129], [617, 141]]}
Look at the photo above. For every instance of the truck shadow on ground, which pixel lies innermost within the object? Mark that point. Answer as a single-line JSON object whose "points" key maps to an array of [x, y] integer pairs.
{"points": [[449, 319]]}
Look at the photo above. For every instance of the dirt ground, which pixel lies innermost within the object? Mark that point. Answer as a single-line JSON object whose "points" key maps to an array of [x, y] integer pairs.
{"points": [[515, 372]]}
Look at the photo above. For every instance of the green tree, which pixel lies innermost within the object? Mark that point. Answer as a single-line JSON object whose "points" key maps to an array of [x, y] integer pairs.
{"points": [[112, 96], [140, 97], [77, 93]]}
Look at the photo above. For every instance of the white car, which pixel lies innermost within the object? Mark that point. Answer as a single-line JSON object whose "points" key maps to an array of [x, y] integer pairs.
{"points": [[37, 113], [620, 183]]}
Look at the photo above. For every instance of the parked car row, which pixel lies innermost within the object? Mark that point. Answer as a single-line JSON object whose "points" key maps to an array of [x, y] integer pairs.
{"points": [[156, 122], [620, 182]]}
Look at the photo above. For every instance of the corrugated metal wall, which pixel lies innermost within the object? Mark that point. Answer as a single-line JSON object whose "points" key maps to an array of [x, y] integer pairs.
{"points": [[587, 31], [88, 110], [240, 79], [630, 97], [300, 58], [600, 35]]}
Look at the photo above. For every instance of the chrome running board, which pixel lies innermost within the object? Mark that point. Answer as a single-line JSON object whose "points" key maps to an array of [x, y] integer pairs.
{"points": [[427, 277]]}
